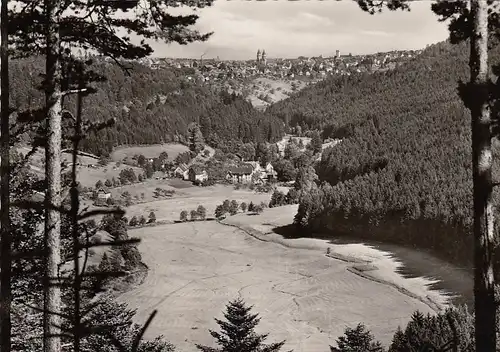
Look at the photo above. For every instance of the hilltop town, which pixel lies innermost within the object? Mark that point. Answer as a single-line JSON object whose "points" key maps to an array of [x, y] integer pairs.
{"points": [[266, 80]]}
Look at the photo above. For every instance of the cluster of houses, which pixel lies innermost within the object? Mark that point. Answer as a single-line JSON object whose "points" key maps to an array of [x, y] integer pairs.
{"points": [[247, 172], [313, 68]]}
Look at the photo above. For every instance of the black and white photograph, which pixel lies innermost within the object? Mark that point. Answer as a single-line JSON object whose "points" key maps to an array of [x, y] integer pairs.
{"points": [[249, 175]]}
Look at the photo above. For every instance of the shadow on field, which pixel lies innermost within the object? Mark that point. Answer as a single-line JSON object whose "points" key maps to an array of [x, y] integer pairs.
{"points": [[415, 262], [179, 184]]}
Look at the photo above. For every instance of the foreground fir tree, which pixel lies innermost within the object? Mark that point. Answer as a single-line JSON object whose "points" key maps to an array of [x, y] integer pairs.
{"points": [[358, 339], [452, 330], [54, 28], [478, 22], [238, 333]]}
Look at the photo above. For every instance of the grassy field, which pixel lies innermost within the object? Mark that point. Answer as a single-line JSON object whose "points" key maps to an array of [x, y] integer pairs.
{"points": [[188, 198], [149, 151], [87, 176], [302, 295]]}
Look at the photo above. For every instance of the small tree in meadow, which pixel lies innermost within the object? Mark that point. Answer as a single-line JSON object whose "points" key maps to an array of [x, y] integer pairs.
{"points": [[226, 205], [194, 214], [134, 221], [152, 217], [99, 184], [233, 207], [243, 206], [201, 212], [219, 212], [251, 206], [108, 183], [184, 215], [142, 220], [258, 209]]}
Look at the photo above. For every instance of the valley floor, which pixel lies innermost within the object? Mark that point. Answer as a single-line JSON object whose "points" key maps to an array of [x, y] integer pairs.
{"points": [[301, 295]]}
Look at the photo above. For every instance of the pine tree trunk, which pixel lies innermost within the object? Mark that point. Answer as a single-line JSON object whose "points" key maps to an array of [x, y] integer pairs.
{"points": [[484, 299], [6, 242], [52, 297]]}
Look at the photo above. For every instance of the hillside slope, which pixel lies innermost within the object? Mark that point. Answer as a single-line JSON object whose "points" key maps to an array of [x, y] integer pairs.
{"points": [[151, 106], [403, 171]]}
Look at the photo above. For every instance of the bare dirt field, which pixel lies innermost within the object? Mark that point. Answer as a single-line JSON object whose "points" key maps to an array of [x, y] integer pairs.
{"points": [[302, 295], [149, 151]]}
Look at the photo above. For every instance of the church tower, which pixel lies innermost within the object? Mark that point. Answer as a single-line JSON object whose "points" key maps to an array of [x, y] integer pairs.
{"points": [[258, 56], [264, 60]]}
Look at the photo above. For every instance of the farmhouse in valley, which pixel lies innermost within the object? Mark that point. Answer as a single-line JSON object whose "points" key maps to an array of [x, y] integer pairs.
{"points": [[182, 171], [197, 173], [270, 173], [103, 195], [240, 174], [251, 171]]}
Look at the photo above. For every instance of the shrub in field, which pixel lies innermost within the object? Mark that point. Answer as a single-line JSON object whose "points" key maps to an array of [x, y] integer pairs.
{"points": [[142, 220], [152, 217], [134, 221], [201, 212], [233, 207], [243, 206], [184, 215], [194, 215]]}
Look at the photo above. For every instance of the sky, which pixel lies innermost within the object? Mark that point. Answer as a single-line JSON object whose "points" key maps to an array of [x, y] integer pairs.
{"points": [[289, 29]]}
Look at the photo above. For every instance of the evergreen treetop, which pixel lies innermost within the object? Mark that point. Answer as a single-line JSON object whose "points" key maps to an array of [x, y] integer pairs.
{"points": [[238, 333]]}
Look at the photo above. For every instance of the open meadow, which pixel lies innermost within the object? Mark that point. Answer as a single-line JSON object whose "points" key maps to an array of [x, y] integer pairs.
{"points": [[189, 197], [89, 172], [149, 151], [302, 295]]}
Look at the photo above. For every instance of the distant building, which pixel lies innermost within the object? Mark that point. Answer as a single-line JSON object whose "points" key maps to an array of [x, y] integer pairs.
{"points": [[197, 173], [103, 195], [337, 53], [271, 174], [240, 174], [182, 171]]}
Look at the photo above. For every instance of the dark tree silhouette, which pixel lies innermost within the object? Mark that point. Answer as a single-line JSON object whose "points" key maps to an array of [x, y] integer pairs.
{"points": [[237, 332], [357, 339], [6, 239], [473, 23], [45, 28]]}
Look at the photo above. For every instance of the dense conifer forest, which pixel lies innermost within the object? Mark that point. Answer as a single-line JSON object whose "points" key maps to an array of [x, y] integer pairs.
{"points": [[151, 106], [403, 169]]}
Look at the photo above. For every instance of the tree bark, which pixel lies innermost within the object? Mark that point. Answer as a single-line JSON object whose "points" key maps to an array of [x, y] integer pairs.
{"points": [[52, 297], [75, 207], [484, 298], [6, 241]]}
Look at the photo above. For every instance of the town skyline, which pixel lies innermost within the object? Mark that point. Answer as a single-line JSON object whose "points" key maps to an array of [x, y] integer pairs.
{"points": [[290, 29]]}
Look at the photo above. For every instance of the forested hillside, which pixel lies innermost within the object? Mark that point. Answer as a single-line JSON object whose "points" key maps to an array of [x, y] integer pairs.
{"points": [[151, 106], [403, 170]]}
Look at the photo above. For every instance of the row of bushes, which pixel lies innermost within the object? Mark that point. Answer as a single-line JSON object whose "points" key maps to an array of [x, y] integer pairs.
{"points": [[199, 214], [206, 183], [259, 188], [279, 198], [232, 208], [141, 220]]}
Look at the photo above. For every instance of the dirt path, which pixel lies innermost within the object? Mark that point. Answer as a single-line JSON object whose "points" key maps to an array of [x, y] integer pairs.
{"points": [[305, 298]]}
